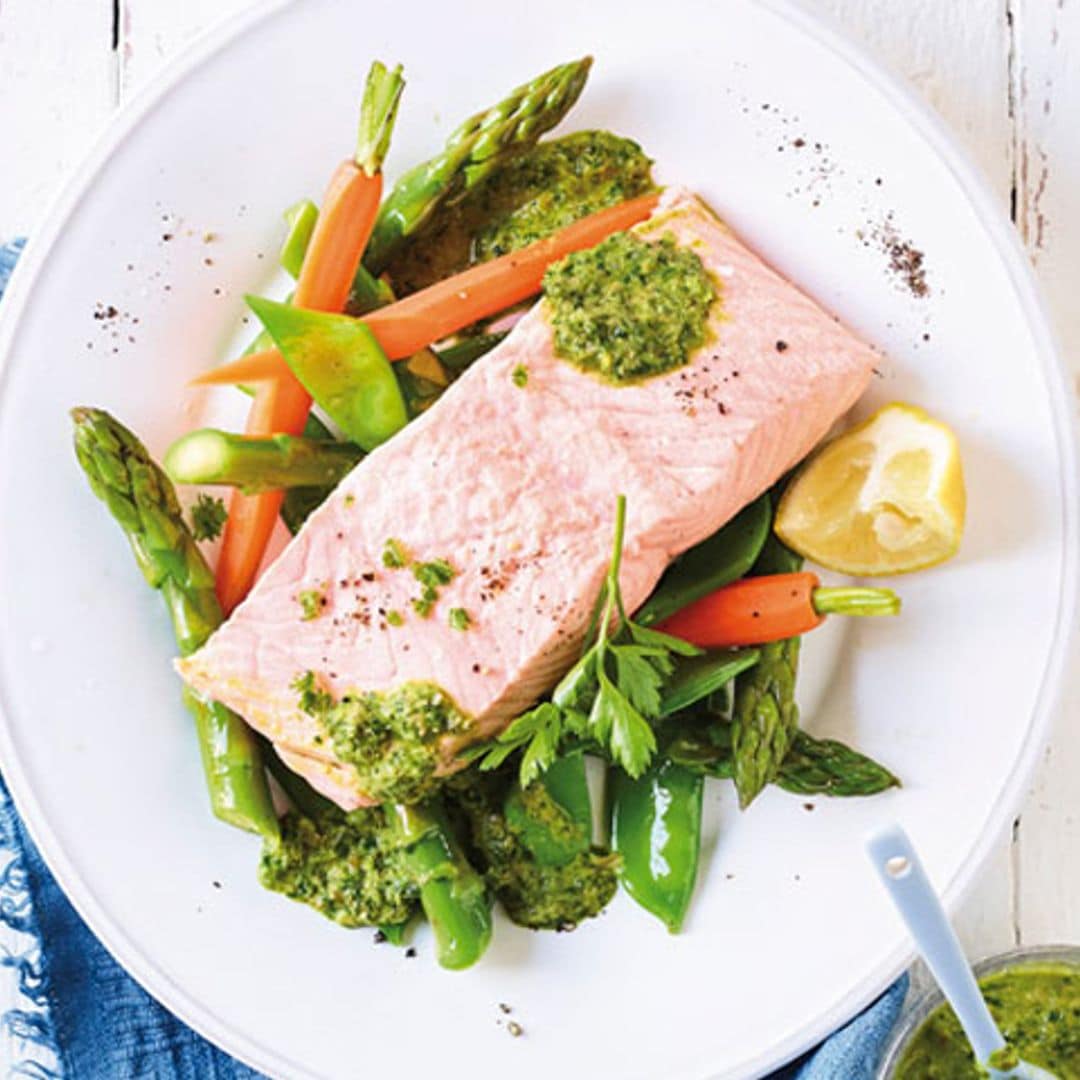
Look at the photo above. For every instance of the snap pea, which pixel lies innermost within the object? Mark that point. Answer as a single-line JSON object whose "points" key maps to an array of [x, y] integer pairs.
{"points": [[300, 219], [553, 815], [342, 366], [461, 354], [453, 895], [725, 557], [656, 829], [696, 677]]}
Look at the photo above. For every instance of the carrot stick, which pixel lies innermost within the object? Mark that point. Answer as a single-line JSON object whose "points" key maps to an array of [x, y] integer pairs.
{"points": [[406, 326], [253, 368], [342, 228], [281, 404], [757, 610], [429, 315]]}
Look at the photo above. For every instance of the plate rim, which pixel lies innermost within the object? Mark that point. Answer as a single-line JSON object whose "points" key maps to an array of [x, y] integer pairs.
{"points": [[930, 127]]}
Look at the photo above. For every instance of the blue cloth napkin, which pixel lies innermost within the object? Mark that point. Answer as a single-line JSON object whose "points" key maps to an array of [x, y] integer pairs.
{"points": [[85, 1018]]}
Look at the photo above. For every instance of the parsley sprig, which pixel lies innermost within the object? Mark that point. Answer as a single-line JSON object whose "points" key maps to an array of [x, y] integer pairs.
{"points": [[208, 517], [610, 698]]}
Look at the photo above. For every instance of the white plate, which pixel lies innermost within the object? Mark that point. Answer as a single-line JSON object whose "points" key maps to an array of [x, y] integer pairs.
{"points": [[788, 935]]}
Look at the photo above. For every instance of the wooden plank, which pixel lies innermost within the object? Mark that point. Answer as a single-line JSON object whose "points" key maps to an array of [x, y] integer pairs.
{"points": [[1046, 99], [956, 55], [152, 31], [57, 90]]}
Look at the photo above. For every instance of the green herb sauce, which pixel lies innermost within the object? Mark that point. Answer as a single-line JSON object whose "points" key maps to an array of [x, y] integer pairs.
{"points": [[542, 897], [311, 601], [537, 193], [1037, 1007], [390, 737], [543, 824], [394, 556], [628, 309], [351, 868]]}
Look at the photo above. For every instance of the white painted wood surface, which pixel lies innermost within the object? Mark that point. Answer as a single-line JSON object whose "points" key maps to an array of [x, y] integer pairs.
{"points": [[1005, 74]]}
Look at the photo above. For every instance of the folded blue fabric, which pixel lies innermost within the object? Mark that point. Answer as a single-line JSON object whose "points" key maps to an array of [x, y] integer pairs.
{"points": [[84, 1018]]}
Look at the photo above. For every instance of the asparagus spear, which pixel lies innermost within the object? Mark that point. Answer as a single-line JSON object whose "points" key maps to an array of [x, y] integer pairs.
{"points": [[141, 498], [765, 717], [453, 895], [209, 456], [812, 767], [829, 767], [478, 146]]}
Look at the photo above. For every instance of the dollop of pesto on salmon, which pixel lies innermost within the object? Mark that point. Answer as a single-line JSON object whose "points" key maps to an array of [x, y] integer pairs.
{"points": [[627, 308]]}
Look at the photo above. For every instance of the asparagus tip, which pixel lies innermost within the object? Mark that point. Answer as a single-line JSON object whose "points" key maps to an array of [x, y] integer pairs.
{"points": [[378, 111]]}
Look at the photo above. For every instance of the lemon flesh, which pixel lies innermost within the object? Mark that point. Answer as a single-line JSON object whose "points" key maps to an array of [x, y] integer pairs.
{"points": [[886, 497]]}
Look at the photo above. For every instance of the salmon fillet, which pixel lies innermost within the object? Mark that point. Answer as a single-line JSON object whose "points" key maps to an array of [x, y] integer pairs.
{"points": [[515, 486]]}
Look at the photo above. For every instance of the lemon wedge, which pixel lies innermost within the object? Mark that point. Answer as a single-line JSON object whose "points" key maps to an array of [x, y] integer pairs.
{"points": [[886, 497]]}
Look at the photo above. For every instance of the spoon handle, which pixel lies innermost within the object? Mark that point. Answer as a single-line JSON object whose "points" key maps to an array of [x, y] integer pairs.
{"points": [[901, 872]]}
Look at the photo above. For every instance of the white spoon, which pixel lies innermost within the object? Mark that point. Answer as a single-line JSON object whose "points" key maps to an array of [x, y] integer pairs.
{"points": [[905, 880]]}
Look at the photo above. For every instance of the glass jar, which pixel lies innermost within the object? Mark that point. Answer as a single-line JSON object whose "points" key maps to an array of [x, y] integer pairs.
{"points": [[924, 1003]]}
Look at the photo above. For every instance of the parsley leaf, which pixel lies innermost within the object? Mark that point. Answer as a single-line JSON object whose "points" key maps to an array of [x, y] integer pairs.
{"points": [[640, 676], [208, 517], [609, 699], [537, 732]]}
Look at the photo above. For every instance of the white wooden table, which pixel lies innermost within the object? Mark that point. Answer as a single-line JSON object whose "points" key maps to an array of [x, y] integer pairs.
{"points": [[1005, 74]]}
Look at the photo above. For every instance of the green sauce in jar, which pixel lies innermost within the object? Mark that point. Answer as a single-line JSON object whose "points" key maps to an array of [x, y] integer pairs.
{"points": [[1037, 1007]]}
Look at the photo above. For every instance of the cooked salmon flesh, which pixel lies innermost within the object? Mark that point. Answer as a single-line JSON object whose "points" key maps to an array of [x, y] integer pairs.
{"points": [[515, 487]]}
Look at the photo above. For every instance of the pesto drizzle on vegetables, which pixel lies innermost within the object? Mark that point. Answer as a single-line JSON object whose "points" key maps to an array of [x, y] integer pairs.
{"points": [[628, 308], [349, 867], [552, 897], [535, 194]]}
